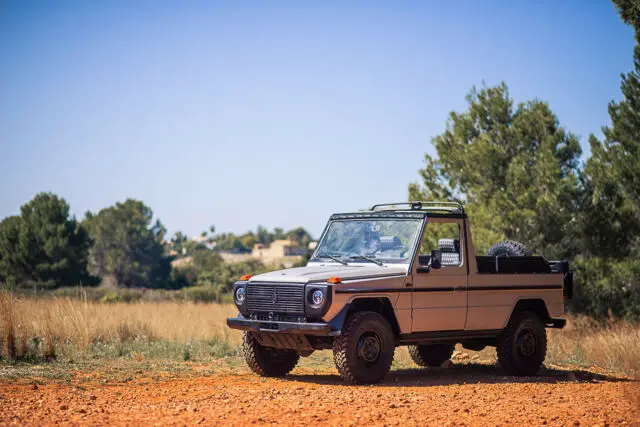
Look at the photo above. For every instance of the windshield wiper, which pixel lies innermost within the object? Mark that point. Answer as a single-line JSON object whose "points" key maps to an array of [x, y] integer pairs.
{"points": [[368, 258], [333, 257]]}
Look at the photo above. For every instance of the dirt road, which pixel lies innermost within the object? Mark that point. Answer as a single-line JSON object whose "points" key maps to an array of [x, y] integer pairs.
{"points": [[462, 395]]}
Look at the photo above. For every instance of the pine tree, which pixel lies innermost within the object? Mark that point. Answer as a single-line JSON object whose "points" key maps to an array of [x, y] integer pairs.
{"points": [[514, 167], [44, 245], [127, 245], [609, 268]]}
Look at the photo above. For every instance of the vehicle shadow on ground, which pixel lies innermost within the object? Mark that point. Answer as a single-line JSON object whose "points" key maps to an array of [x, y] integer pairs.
{"points": [[470, 373]]}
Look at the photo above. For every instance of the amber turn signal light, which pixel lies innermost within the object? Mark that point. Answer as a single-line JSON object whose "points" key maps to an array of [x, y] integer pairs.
{"points": [[334, 280], [246, 277]]}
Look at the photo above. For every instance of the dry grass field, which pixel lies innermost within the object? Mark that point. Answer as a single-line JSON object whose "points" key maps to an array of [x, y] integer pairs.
{"points": [[76, 362], [70, 329]]}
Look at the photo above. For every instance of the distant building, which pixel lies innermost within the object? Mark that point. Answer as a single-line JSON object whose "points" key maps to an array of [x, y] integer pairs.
{"points": [[279, 251]]}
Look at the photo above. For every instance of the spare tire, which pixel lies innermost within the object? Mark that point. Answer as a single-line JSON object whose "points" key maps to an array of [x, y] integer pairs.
{"points": [[508, 248]]}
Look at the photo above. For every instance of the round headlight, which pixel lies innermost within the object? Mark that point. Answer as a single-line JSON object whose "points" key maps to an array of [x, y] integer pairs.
{"points": [[240, 296], [317, 297]]}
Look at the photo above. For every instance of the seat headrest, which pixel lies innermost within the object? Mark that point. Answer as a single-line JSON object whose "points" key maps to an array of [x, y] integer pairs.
{"points": [[390, 242], [451, 246]]}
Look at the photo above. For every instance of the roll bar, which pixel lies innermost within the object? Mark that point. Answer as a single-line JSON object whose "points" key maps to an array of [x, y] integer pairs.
{"points": [[452, 207]]}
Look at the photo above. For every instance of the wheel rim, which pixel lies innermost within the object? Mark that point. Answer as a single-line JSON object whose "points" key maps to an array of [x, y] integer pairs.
{"points": [[369, 347], [527, 343]]}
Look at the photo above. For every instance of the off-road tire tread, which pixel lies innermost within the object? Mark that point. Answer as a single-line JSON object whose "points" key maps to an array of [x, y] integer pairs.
{"points": [[431, 355], [505, 351], [341, 342], [510, 246], [262, 367]]}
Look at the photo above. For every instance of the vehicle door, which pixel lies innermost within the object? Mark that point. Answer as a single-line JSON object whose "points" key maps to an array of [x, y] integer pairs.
{"points": [[439, 296]]}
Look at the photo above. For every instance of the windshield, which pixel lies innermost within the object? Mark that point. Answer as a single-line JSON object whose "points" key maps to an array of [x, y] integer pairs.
{"points": [[379, 240]]}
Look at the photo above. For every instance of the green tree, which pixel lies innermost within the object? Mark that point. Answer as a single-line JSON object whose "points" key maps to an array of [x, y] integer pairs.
{"points": [[206, 260], [178, 241], [263, 235], [248, 240], [208, 269], [609, 267], [300, 236], [13, 264], [612, 175], [44, 245], [245, 242], [230, 242], [222, 275], [629, 11], [515, 168], [127, 245]]}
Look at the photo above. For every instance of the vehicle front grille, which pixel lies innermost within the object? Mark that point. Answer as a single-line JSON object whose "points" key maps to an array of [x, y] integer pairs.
{"points": [[275, 297]]}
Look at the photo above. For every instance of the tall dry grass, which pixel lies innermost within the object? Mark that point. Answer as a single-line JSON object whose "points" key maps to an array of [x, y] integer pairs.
{"points": [[50, 323], [612, 344], [7, 335], [45, 327]]}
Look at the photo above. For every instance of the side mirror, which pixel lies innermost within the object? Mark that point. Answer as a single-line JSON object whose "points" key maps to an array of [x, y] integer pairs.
{"points": [[424, 263], [436, 259], [424, 260]]}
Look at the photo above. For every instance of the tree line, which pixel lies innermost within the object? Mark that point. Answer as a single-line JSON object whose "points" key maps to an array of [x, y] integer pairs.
{"points": [[518, 172], [45, 247], [242, 243]]}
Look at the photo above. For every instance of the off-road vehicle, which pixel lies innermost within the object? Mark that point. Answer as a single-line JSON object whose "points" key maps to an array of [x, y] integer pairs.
{"points": [[402, 274]]}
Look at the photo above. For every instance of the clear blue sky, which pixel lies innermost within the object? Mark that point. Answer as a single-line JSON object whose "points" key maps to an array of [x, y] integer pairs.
{"points": [[275, 113]]}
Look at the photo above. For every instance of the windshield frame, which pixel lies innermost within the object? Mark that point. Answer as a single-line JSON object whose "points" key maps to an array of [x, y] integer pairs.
{"points": [[420, 218]]}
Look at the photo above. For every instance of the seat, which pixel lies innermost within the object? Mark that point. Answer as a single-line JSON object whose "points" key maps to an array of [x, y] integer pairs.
{"points": [[388, 243]]}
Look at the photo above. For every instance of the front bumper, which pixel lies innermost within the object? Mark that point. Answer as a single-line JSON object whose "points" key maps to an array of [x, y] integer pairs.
{"points": [[244, 324]]}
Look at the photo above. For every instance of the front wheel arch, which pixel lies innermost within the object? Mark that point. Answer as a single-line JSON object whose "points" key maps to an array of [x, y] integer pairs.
{"points": [[380, 305]]}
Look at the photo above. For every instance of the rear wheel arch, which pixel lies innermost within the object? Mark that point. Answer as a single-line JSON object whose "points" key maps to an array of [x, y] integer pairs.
{"points": [[533, 305]]}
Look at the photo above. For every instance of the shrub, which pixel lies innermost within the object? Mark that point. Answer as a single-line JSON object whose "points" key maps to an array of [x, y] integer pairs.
{"points": [[606, 288], [201, 294]]}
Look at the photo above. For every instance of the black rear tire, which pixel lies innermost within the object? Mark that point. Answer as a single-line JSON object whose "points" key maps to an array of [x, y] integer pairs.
{"points": [[522, 347], [267, 361], [432, 355], [508, 248], [364, 351]]}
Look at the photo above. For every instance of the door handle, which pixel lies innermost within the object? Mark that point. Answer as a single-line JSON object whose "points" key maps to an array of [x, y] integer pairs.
{"points": [[460, 288], [408, 284]]}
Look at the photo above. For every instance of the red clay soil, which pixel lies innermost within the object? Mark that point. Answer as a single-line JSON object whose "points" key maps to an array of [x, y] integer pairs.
{"points": [[469, 395]]}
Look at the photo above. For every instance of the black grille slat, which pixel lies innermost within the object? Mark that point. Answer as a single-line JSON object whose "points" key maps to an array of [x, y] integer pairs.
{"points": [[290, 298]]}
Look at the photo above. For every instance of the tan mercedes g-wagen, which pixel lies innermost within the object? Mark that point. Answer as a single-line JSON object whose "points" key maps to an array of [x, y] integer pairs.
{"points": [[402, 274]]}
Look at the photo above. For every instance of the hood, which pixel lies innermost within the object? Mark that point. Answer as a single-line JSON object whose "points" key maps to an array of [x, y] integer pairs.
{"points": [[321, 273]]}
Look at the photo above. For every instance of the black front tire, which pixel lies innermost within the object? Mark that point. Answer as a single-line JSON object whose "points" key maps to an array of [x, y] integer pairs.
{"points": [[364, 351], [522, 347], [431, 355], [267, 361]]}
